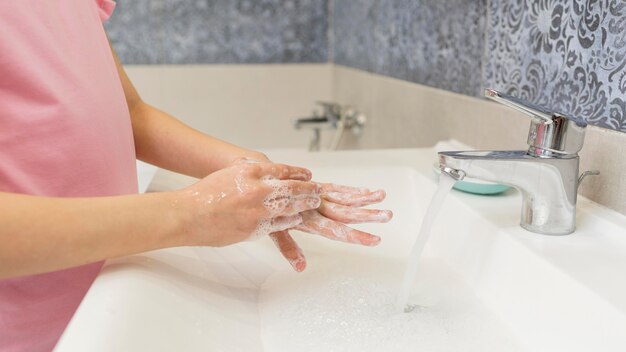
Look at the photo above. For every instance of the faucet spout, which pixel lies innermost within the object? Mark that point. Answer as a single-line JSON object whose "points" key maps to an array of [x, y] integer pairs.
{"points": [[546, 174], [548, 185]]}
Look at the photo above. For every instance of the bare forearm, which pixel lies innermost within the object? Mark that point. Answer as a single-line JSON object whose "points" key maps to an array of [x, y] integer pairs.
{"points": [[162, 140], [40, 234]]}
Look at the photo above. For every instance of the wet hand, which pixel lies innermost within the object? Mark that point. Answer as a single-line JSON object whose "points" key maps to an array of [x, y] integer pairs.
{"points": [[340, 205], [244, 201]]}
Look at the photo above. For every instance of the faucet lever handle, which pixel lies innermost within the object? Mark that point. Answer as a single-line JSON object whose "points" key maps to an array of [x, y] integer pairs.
{"points": [[527, 108], [551, 133]]}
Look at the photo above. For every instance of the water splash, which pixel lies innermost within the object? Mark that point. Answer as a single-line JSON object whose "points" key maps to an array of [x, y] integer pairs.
{"points": [[348, 304]]}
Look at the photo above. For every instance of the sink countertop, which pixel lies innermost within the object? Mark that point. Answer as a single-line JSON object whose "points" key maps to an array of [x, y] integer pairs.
{"points": [[552, 291]]}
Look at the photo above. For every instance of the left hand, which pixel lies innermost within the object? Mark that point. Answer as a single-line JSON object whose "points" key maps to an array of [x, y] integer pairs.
{"points": [[340, 205]]}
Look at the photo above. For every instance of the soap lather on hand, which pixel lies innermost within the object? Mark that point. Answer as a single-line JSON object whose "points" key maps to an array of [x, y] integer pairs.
{"points": [[340, 205]]}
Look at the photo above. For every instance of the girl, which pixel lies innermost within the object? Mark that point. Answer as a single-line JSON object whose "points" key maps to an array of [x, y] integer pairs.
{"points": [[71, 126]]}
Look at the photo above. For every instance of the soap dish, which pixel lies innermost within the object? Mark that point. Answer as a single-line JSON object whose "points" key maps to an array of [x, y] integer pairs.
{"points": [[475, 186]]}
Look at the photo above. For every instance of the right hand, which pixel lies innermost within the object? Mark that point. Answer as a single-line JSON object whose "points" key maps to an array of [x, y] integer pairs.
{"points": [[245, 201]]}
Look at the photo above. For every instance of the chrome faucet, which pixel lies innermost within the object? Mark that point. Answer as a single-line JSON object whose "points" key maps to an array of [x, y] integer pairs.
{"points": [[333, 117], [546, 174]]}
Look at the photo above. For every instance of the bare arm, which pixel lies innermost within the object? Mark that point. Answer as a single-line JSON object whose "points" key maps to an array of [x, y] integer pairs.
{"points": [[40, 234], [161, 139]]}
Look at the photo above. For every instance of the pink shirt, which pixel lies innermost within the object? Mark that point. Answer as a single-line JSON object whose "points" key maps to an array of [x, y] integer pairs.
{"points": [[64, 131]]}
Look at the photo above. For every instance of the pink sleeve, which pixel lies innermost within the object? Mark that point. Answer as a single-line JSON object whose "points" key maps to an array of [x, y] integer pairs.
{"points": [[105, 8]]}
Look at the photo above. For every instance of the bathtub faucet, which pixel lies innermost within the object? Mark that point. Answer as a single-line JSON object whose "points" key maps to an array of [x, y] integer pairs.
{"points": [[333, 117], [546, 174]]}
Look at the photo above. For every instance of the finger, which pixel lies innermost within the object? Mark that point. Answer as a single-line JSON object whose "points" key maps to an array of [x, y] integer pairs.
{"points": [[289, 249], [333, 187], [283, 172], [342, 233], [315, 223], [301, 188], [284, 222], [351, 215], [355, 200], [300, 176]]}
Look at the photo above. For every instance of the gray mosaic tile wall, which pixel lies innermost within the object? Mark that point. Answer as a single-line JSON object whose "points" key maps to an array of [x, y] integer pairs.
{"points": [[432, 42], [566, 54], [220, 31]]}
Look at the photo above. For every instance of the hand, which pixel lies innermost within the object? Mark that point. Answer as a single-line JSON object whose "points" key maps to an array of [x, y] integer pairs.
{"points": [[339, 206], [245, 201]]}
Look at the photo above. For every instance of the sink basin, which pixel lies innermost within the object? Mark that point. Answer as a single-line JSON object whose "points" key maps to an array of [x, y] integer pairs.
{"points": [[485, 284]]}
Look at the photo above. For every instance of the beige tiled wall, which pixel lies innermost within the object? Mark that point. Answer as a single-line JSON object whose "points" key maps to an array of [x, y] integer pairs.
{"points": [[250, 105]]}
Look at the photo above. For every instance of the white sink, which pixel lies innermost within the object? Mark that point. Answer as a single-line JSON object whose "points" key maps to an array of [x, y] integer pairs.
{"points": [[485, 283]]}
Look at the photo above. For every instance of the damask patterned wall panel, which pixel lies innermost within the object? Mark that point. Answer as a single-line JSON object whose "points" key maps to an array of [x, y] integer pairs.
{"points": [[432, 42], [566, 54], [220, 31]]}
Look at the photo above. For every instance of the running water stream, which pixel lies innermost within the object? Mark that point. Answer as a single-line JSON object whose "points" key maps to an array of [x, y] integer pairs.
{"points": [[445, 184]]}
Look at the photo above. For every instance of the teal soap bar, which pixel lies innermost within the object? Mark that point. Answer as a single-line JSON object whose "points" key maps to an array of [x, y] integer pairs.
{"points": [[480, 188], [473, 186]]}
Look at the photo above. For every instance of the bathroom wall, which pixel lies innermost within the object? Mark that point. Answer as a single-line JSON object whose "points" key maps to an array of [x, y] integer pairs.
{"points": [[249, 105], [569, 55], [431, 42], [416, 68], [186, 58], [220, 31]]}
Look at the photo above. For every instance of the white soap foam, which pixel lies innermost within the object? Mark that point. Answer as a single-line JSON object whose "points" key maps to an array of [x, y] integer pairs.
{"points": [[349, 305], [276, 202], [267, 226], [279, 198]]}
